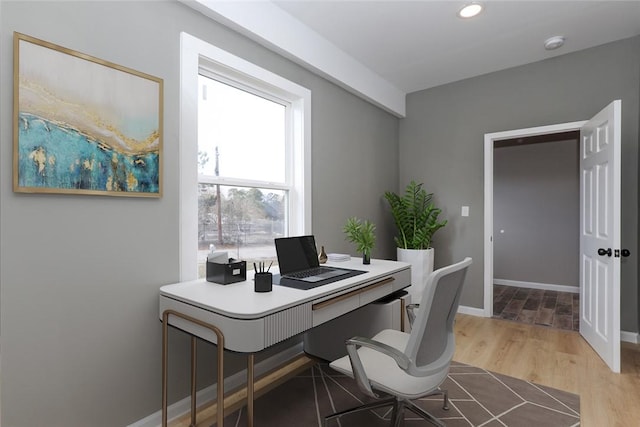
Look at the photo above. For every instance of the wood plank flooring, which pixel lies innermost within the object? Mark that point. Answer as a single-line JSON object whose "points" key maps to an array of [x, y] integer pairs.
{"points": [[555, 358]]}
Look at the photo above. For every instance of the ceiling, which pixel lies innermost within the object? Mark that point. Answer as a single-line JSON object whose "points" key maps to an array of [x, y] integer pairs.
{"points": [[415, 45], [420, 44]]}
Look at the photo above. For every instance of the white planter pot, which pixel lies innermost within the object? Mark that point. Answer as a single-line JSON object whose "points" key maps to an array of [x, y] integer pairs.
{"points": [[421, 261]]}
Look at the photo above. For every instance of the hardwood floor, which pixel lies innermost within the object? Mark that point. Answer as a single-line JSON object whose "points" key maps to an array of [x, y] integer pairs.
{"points": [[555, 358]]}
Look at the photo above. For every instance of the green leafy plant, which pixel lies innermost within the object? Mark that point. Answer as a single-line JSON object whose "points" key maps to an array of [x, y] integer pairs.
{"points": [[415, 216], [362, 233]]}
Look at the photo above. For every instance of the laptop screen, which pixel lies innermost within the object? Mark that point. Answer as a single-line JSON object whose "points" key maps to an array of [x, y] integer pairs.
{"points": [[296, 253]]}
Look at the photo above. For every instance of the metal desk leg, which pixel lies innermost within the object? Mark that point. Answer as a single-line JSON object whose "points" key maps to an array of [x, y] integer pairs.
{"points": [[194, 363], [220, 379], [165, 344], [250, 387], [402, 314]]}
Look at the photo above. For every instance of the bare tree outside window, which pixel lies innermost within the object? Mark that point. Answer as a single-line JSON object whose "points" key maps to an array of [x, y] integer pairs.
{"points": [[251, 218]]}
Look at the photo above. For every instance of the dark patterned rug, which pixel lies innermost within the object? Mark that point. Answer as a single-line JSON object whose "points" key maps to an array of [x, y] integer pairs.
{"points": [[477, 398]]}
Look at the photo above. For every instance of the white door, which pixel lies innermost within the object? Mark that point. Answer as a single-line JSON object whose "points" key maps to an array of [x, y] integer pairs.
{"points": [[600, 233]]}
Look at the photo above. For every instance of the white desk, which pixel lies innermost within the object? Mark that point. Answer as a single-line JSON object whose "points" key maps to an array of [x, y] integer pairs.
{"points": [[245, 321]]}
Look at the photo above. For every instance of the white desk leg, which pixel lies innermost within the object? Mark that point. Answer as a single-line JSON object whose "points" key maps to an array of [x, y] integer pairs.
{"points": [[250, 387]]}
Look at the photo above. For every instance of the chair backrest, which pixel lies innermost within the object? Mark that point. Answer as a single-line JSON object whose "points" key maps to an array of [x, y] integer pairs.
{"points": [[431, 343]]}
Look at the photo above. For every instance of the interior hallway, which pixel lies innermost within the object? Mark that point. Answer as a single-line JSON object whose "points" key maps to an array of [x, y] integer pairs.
{"points": [[537, 307]]}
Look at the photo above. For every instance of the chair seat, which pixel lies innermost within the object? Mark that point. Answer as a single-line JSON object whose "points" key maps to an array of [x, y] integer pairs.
{"points": [[385, 374]]}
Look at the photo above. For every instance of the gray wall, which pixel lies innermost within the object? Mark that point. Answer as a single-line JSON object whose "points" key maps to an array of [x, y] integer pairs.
{"points": [[536, 218], [441, 143], [80, 274]]}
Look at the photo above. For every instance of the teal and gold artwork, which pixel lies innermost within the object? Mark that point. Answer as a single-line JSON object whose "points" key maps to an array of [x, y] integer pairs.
{"points": [[83, 125]]}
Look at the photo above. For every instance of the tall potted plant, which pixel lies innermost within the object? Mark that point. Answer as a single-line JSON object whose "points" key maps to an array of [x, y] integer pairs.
{"points": [[416, 219]]}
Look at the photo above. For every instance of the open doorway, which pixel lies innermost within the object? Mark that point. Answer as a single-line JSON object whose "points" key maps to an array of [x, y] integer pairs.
{"points": [[600, 252], [507, 139], [536, 230]]}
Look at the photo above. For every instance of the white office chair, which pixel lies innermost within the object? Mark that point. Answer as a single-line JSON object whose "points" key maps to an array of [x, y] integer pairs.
{"points": [[414, 365]]}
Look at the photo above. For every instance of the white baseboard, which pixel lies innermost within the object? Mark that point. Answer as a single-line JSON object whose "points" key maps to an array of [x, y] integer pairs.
{"points": [[632, 337], [534, 285], [478, 312], [208, 394]]}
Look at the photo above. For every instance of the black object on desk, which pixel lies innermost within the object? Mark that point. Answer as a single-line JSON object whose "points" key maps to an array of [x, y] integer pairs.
{"points": [[232, 272], [263, 282], [299, 284]]}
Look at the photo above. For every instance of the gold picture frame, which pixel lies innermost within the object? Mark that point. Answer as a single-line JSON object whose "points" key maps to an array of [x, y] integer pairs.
{"points": [[82, 125]]}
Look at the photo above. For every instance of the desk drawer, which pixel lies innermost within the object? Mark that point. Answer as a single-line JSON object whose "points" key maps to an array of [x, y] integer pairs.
{"points": [[402, 279], [335, 307], [376, 290]]}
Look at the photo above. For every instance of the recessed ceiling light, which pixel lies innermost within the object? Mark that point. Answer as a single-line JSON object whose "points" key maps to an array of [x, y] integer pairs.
{"points": [[554, 42], [470, 10]]}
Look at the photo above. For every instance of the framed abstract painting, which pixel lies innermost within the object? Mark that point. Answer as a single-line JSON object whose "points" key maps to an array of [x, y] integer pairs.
{"points": [[83, 125]]}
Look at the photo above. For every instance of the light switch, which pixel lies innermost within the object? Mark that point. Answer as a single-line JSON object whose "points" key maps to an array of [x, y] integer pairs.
{"points": [[465, 211]]}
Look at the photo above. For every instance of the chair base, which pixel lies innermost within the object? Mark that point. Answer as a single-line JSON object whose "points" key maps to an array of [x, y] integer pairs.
{"points": [[397, 414]]}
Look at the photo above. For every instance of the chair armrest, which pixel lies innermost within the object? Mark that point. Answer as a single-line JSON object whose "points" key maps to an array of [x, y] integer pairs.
{"points": [[401, 359], [411, 313], [359, 373]]}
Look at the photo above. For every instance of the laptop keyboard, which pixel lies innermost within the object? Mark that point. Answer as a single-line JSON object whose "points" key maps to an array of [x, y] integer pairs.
{"points": [[308, 273]]}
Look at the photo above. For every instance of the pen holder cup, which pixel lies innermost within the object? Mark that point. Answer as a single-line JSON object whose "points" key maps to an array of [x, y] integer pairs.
{"points": [[263, 282]]}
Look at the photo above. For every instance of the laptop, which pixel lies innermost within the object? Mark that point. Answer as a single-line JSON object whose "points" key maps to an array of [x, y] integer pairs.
{"points": [[300, 267]]}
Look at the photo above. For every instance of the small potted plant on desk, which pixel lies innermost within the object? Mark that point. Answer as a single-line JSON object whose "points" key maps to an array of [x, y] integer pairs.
{"points": [[362, 233]]}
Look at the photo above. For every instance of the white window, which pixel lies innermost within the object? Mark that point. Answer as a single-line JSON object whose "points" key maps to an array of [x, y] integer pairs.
{"points": [[245, 157]]}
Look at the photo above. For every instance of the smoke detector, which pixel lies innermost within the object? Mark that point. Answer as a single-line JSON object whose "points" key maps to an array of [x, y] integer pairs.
{"points": [[554, 42]]}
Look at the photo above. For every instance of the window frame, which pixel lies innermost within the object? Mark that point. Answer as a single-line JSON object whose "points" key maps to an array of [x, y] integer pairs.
{"points": [[287, 185], [196, 55]]}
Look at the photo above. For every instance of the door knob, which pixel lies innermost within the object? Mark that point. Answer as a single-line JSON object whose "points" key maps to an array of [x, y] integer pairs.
{"points": [[603, 252], [625, 253]]}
